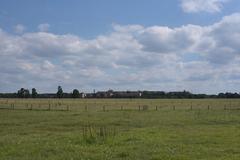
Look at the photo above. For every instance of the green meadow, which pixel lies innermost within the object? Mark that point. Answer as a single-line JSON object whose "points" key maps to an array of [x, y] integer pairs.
{"points": [[117, 129]]}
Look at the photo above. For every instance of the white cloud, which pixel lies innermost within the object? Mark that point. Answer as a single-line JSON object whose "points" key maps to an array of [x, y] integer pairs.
{"points": [[19, 28], [164, 39], [129, 57], [47, 65], [194, 6], [43, 27]]}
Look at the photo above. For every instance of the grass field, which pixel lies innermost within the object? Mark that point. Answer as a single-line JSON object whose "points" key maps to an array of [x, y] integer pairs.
{"points": [[119, 129]]}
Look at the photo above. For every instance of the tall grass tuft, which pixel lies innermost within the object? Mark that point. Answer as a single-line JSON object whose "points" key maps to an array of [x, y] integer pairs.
{"points": [[93, 134], [145, 107]]}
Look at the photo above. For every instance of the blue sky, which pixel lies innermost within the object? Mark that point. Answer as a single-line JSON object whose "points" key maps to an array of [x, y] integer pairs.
{"points": [[89, 18], [124, 45]]}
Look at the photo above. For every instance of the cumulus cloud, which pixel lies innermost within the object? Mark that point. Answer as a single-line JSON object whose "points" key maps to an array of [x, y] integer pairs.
{"points": [[129, 57], [19, 28], [43, 27], [164, 39], [194, 6]]}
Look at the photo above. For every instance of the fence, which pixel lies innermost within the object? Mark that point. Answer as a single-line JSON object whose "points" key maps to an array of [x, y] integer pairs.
{"points": [[118, 104]]}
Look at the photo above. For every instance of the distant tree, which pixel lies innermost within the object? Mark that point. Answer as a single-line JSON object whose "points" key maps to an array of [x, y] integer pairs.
{"points": [[75, 93], [26, 93], [60, 92], [34, 93], [221, 95], [23, 93], [20, 93]]}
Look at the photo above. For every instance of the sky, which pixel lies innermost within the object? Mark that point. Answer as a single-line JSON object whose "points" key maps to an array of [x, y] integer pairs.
{"points": [[169, 45]]}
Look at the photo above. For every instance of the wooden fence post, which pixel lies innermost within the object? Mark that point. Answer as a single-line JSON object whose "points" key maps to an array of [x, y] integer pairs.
{"points": [[156, 108], [139, 108]]}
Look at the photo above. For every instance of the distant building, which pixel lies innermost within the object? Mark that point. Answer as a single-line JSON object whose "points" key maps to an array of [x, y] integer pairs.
{"points": [[127, 94], [82, 95], [115, 94]]}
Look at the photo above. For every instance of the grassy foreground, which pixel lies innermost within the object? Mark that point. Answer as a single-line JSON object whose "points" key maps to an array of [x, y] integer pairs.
{"points": [[120, 134]]}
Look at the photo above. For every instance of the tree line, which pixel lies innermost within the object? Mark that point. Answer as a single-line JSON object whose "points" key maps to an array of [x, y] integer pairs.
{"points": [[25, 93]]}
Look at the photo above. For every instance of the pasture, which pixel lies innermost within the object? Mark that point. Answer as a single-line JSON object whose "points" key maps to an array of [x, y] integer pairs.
{"points": [[147, 129]]}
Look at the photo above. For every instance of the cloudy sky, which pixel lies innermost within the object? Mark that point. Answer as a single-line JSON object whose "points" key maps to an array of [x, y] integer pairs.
{"points": [[168, 45]]}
